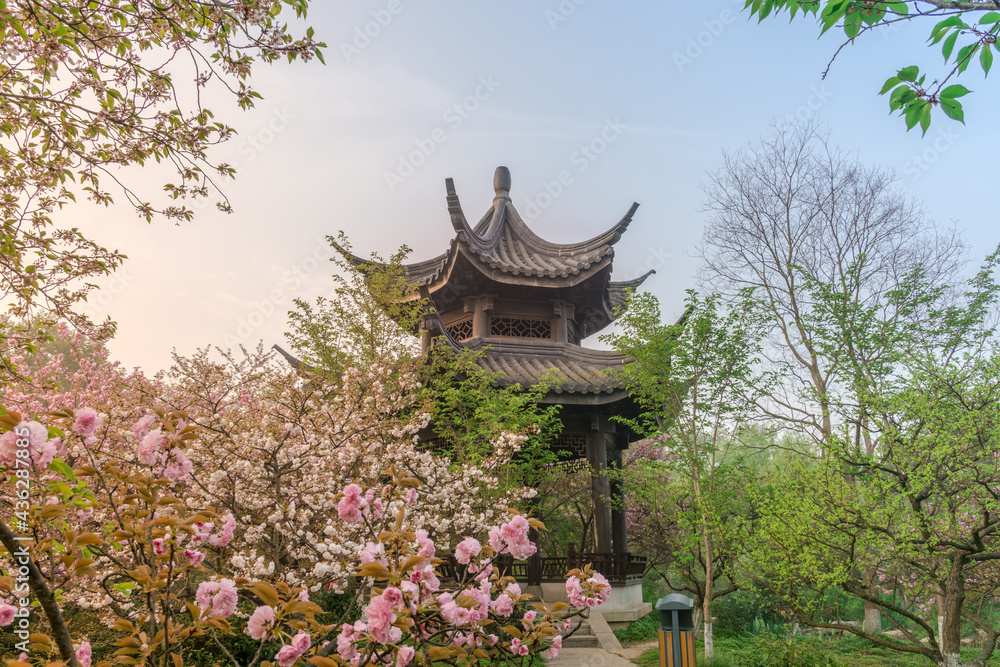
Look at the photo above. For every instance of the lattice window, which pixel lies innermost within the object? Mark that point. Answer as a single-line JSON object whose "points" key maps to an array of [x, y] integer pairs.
{"points": [[461, 330], [573, 443], [568, 467], [520, 327]]}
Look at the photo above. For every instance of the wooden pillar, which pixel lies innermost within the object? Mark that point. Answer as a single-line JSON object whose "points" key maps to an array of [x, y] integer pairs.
{"points": [[597, 455], [619, 535], [563, 313], [480, 308], [425, 342]]}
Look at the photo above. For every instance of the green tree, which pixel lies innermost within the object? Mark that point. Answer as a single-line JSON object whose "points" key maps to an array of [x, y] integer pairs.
{"points": [[967, 31], [696, 384], [373, 318], [792, 206], [373, 315], [88, 89], [908, 525]]}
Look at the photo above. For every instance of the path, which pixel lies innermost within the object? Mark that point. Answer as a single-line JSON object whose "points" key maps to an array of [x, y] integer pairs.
{"points": [[633, 651], [587, 657]]}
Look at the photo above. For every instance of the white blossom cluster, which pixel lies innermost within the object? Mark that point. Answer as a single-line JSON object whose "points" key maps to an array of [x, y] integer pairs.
{"points": [[276, 451]]}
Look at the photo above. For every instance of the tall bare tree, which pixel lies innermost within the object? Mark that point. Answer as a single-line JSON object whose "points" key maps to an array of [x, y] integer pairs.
{"points": [[793, 206]]}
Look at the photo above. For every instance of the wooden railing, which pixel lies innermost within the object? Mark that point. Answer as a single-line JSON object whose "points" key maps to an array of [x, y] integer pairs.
{"points": [[619, 569]]}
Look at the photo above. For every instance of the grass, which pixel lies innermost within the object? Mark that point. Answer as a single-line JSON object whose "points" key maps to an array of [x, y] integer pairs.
{"points": [[738, 651], [643, 630]]}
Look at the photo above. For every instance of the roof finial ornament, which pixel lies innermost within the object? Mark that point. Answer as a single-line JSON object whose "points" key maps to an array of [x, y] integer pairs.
{"points": [[501, 183]]}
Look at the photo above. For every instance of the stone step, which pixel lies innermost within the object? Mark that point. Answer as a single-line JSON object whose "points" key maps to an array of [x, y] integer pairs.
{"points": [[582, 638], [584, 629], [578, 641]]}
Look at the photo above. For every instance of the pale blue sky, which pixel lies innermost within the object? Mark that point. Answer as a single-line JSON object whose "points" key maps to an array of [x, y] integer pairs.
{"points": [[364, 144]]}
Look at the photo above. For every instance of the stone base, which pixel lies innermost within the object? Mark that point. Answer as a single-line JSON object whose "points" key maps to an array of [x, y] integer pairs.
{"points": [[623, 607], [620, 619]]}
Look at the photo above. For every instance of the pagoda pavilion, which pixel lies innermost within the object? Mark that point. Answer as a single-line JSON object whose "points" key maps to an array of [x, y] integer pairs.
{"points": [[527, 304]]}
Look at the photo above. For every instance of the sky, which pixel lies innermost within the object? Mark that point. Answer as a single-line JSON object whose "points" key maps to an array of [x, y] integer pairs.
{"points": [[591, 104]]}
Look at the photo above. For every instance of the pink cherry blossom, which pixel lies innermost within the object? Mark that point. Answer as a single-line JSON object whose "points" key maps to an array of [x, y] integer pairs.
{"points": [[380, 618], [424, 544], [7, 613], [179, 466], [301, 642], [149, 448], [37, 434], [393, 596], [405, 656], [224, 601], [555, 648], [195, 557], [226, 536], [83, 654], [141, 427], [346, 643], [220, 596], [503, 606], [86, 421], [8, 447], [203, 596], [260, 622], [349, 507], [467, 549], [48, 453], [287, 656]]}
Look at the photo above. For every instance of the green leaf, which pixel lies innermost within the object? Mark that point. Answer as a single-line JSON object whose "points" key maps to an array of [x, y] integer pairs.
{"points": [[901, 96], [908, 73], [950, 22], [953, 109], [948, 45], [989, 17], [852, 25], [898, 7], [925, 118], [964, 56], [890, 83], [912, 114], [953, 91], [986, 59]]}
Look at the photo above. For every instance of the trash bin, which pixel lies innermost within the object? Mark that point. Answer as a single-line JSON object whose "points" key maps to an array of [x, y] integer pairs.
{"points": [[676, 635]]}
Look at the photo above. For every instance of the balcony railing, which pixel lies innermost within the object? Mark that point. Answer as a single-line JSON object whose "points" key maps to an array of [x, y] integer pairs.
{"points": [[618, 568]]}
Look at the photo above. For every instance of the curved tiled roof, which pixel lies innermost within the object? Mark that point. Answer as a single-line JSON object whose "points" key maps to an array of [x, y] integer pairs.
{"points": [[563, 375], [504, 242], [501, 242], [618, 291]]}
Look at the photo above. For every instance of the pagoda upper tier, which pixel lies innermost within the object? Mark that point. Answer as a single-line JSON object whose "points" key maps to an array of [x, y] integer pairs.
{"points": [[500, 280]]}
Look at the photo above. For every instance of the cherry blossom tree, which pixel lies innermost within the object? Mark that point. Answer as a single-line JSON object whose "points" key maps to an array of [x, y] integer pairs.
{"points": [[136, 521], [90, 89]]}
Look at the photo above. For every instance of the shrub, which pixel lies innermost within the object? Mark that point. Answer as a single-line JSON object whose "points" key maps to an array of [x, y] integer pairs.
{"points": [[772, 651], [744, 611]]}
